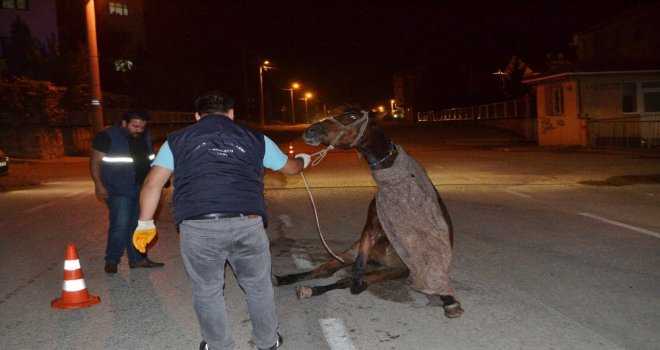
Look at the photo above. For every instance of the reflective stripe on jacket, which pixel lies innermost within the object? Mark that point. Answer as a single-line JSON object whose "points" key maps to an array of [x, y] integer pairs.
{"points": [[117, 168]]}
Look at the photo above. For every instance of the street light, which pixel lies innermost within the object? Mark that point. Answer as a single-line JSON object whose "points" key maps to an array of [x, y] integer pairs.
{"points": [[308, 95], [264, 66], [294, 86]]}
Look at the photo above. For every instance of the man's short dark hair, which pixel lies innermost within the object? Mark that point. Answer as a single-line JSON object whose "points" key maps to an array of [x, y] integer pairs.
{"points": [[213, 102], [135, 114]]}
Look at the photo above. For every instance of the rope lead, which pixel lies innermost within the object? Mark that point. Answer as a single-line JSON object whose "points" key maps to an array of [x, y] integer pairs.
{"points": [[316, 215]]}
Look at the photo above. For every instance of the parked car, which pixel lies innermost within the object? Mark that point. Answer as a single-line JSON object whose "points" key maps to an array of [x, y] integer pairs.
{"points": [[4, 163]]}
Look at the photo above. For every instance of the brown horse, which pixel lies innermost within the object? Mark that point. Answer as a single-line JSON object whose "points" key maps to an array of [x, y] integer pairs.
{"points": [[425, 251]]}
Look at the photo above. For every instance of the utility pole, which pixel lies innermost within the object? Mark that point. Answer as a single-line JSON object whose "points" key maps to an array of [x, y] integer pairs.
{"points": [[96, 103], [263, 66]]}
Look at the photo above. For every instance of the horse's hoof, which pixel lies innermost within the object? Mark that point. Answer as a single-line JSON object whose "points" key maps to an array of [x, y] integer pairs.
{"points": [[357, 288], [453, 310], [303, 292], [274, 281]]}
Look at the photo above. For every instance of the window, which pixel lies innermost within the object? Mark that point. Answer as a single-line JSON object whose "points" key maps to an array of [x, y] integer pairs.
{"points": [[123, 65], [651, 96], [629, 98], [3, 41], [118, 8], [555, 100], [651, 85], [652, 102], [15, 4]]}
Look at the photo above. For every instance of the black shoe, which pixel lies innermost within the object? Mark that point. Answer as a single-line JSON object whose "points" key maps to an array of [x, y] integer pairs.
{"points": [[147, 264], [202, 345], [110, 269], [278, 343]]}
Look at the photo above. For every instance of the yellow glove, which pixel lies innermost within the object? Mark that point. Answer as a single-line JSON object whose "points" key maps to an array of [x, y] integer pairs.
{"points": [[144, 233]]}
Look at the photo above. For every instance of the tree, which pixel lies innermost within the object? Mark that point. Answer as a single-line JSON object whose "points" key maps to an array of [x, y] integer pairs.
{"points": [[26, 57]]}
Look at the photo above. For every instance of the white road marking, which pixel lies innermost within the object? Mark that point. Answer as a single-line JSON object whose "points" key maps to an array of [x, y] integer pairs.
{"points": [[620, 224], [38, 207], [519, 194], [335, 334], [73, 194], [301, 259]]}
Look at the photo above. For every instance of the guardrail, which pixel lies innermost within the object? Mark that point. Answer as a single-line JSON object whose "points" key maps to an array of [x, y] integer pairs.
{"points": [[499, 110], [624, 133], [164, 117]]}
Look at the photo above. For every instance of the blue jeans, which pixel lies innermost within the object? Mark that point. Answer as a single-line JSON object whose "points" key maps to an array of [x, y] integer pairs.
{"points": [[205, 247], [124, 212]]}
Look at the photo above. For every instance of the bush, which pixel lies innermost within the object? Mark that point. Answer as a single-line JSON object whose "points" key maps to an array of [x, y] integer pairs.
{"points": [[32, 102]]}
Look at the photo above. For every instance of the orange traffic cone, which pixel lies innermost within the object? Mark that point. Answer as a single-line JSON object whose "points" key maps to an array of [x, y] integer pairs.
{"points": [[290, 150], [74, 291]]}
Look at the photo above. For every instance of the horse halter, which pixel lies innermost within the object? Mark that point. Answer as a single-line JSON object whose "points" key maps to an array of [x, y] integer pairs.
{"points": [[344, 128]]}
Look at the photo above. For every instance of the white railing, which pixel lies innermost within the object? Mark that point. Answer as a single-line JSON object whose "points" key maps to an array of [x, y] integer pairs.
{"points": [[624, 133], [499, 110]]}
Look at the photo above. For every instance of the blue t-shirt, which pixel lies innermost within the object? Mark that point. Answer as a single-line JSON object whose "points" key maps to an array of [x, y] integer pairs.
{"points": [[274, 158]]}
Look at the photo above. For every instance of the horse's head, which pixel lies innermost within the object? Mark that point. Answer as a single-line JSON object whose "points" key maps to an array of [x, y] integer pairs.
{"points": [[344, 130]]}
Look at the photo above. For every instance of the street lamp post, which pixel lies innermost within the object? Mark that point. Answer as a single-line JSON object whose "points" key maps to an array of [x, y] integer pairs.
{"points": [[308, 95], [293, 107], [94, 75], [264, 66], [502, 76]]}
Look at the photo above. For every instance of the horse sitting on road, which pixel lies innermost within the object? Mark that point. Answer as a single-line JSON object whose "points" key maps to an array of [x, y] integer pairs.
{"points": [[408, 232]]}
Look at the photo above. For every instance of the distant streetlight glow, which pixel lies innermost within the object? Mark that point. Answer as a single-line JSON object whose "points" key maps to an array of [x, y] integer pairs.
{"points": [[308, 95], [264, 66]]}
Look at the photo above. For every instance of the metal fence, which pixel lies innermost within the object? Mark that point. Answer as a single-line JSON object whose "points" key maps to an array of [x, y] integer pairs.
{"points": [[499, 110], [624, 133], [164, 117]]}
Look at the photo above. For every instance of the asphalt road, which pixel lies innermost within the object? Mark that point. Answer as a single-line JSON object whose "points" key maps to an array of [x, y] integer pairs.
{"points": [[555, 249]]}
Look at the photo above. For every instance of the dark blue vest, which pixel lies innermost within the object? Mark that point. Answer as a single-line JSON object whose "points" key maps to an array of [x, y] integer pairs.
{"points": [[117, 168], [218, 168]]}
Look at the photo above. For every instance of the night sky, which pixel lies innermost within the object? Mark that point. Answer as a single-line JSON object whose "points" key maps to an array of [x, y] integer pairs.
{"points": [[349, 51]]}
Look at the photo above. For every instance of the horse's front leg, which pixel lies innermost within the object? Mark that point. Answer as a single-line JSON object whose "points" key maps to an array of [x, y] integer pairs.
{"points": [[370, 234], [371, 277], [321, 271]]}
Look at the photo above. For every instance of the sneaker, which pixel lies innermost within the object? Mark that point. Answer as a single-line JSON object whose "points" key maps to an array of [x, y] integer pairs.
{"points": [[202, 346], [110, 269], [278, 343]]}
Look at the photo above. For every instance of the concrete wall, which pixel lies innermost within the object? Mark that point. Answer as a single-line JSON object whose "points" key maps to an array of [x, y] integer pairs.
{"points": [[524, 126], [45, 142]]}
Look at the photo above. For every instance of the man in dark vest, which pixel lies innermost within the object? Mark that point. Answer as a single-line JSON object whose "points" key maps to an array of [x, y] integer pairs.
{"points": [[218, 167], [120, 161]]}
